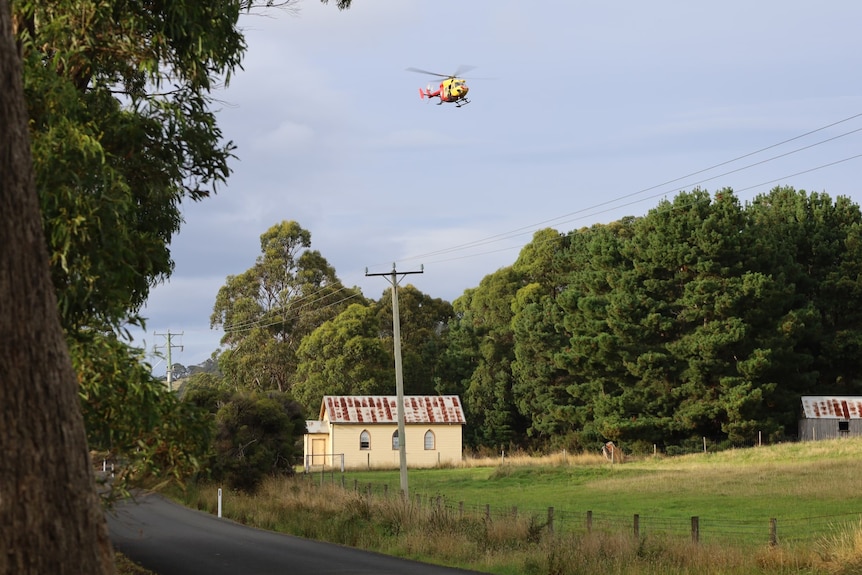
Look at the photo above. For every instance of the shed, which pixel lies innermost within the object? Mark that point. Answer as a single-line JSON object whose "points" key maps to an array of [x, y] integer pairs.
{"points": [[362, 432], [830, 417]]}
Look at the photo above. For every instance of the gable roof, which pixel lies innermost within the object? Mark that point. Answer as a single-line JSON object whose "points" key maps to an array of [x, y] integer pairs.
{"points": [[832, 407], [382, 409]]}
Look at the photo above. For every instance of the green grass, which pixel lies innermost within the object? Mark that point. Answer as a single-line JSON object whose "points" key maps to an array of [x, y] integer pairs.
{"points": [[812, 489], [803, 486]]}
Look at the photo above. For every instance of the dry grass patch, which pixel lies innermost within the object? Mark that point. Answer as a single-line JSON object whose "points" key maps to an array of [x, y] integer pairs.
{"points": [[520, 459], [126, 566], [506, 545], [841, 551], [729, 491]]}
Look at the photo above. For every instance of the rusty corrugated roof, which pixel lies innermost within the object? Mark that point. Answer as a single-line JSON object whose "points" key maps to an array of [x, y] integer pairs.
{"points": [[382, 409], [832, 407]]}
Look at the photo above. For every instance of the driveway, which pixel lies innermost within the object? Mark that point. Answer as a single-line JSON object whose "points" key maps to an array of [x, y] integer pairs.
{"points": [[170, 539]]}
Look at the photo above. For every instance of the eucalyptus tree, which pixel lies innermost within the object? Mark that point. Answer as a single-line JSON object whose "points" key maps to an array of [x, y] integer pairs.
{"points": [[52, 521], [123, 130], [353, 353], [120, 99], [267, 310], [424, 325], [120, 104], [346, 355]]}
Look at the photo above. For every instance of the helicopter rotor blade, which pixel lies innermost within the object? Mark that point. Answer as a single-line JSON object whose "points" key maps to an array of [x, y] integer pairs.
{"points": [[418, 71], [461, 69]]}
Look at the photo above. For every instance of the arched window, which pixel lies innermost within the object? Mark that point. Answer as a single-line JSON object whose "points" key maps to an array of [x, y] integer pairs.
{"points": [[430, 442], [395, 443], [364, 440]]}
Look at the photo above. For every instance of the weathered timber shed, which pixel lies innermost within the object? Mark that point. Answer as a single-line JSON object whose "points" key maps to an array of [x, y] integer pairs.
{"points": [[830, 417], [362, 432]]}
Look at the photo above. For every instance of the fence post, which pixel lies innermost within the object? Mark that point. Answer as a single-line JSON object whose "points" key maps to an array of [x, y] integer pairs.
{"points": [[551, 520], [386, 491], [356, 485], [460, 510], [637, 525], [695, 529], [589, 521], [487, 512], [219, 502], [773, 532]]}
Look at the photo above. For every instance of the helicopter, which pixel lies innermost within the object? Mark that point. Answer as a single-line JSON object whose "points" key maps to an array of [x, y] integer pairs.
{"points": [[453, 89]]}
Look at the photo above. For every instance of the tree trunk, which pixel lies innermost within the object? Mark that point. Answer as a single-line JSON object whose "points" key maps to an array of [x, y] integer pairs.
{"points": [[51, 520]]}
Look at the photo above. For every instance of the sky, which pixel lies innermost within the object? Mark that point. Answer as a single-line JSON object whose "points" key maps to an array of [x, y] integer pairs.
{"points": [[581, 113]]}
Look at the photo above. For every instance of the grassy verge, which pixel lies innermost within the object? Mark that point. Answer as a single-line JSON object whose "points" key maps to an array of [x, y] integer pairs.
{"points": [[813, 488], [126, 566]]}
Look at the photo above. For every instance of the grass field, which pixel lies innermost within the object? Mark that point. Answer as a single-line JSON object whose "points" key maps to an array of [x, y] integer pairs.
{"points": [[803, 486], [812, 490]]}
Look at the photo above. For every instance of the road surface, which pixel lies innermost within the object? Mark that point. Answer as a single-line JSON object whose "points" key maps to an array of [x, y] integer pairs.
{"points": [[170, 539]]}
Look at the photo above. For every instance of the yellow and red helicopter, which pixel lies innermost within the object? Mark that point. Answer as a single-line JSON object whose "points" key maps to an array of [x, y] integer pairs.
{"points": [[453, 88]]}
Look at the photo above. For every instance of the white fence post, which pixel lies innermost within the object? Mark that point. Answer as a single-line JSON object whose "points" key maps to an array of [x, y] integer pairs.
{"points": [[219, 502]]}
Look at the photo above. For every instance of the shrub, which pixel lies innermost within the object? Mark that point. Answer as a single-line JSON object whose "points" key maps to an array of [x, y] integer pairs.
{"points": [[256, 436]]}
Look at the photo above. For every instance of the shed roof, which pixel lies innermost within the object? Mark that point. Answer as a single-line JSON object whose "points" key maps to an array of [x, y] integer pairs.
{"points": [[832, 407], [382, 409], [314, 426]]}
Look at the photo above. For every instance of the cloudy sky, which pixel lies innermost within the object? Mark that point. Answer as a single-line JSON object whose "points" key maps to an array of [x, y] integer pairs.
{"points": [[582, 112]]}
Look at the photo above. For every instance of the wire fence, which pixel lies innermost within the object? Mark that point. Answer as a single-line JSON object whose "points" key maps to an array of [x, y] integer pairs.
{"points": [[759, 531]]}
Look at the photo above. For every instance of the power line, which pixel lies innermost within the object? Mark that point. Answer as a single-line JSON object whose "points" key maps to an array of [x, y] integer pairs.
{"points": [[286, 309], [634, 202], [562, 218], [613, 204]]}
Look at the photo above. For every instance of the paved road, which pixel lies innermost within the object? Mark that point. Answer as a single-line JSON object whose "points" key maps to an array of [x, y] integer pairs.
{"points": [[170, 539]]}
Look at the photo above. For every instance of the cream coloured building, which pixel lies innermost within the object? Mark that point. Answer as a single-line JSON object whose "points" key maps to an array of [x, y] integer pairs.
{"points": [[362, 432]]}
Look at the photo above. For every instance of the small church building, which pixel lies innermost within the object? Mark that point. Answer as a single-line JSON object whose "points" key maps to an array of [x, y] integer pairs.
{"points": [[362, 432]]}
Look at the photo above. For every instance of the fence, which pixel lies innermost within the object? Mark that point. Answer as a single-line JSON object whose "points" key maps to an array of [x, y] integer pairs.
{"points": [[323, 462], [769, 530]]}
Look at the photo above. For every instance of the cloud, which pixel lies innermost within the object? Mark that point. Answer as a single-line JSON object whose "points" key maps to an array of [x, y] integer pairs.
{"points": [[585, 105], [286, 138]]}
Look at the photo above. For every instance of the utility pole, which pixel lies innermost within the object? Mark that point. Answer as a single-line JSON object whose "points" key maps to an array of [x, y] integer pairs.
{"points": [[168, 347], [399, 377]]}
